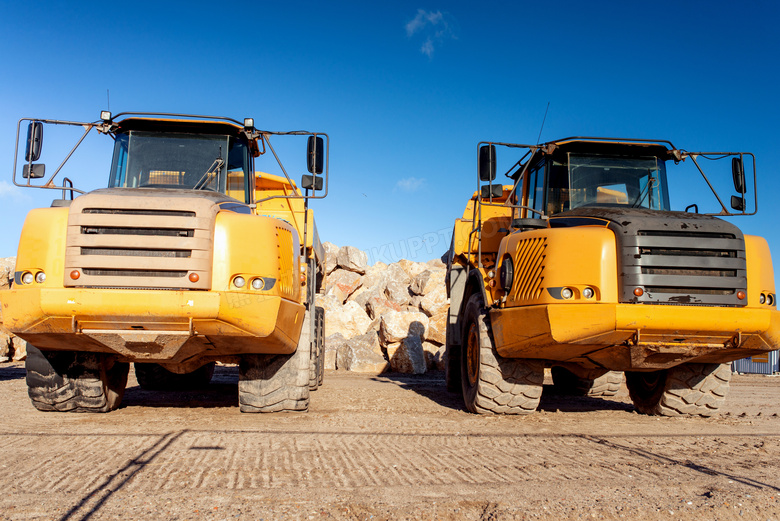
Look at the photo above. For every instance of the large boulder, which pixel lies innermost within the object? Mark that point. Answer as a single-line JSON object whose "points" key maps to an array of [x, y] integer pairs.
{"points": [[378, 277], [436, 331], [395, 326], [342, 283], [7, 266], [362, 354], [378, 305], [435, 302], [333, 345], [5, 346], [331, 256], [412, 268], [398, 292], [427, 281], [407, 356], [19, 347], [435, 357], [353, 259], [350, 320]]}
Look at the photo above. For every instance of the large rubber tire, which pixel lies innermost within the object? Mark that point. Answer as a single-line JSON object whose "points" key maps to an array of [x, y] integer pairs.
{"points": [[452, 368], [274, 383], [687, 389], [154, 377], [493, 384], [67, 381], [319, 329], [568, 383]]}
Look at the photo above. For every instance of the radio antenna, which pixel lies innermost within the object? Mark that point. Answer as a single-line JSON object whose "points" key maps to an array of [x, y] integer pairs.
{"points": [[543, 120]]}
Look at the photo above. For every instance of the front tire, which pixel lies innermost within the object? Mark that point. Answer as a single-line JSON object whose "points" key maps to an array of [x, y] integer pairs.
{"points": [[684, 390], [493, 384], [67, 381], [274, 383]]}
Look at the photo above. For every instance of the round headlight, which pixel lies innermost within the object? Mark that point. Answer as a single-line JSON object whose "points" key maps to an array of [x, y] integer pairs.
{"points": [[27, 278], [257, 284], [40, 277], [762, 299], [507, 273], [770, 299], [587, 293], [239, 282], [567, 293]]}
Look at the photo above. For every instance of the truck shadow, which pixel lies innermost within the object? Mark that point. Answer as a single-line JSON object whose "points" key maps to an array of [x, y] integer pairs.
{"points": [[431, 385], [221, 392], [16, 371]]}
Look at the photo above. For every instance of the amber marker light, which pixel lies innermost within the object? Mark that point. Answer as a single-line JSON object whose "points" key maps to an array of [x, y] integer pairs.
{"points": [[639, 292], [75, 274], [741, 295], [194, 277]]}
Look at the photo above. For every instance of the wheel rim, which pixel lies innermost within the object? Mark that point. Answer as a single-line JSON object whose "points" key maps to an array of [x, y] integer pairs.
{"points": [[472, 354]]}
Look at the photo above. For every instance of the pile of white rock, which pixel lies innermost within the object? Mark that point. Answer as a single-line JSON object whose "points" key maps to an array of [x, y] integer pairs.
{"points": [[11, 347], [383, 317]]}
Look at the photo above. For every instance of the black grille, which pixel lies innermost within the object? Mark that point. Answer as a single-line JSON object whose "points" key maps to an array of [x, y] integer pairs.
{"points": [[135, 252], [134, 273], [133, 211], [677, 267], [161, 232]]}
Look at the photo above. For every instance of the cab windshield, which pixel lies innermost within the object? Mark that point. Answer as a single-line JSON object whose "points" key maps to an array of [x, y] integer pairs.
{"points": [[635, 182], [185, 161]]}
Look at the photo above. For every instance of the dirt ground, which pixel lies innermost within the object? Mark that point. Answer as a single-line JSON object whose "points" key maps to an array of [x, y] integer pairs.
{"points": [[389, 447]]}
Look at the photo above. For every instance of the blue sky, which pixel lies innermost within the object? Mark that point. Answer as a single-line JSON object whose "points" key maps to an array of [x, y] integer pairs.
{"points": [[405, 90]]}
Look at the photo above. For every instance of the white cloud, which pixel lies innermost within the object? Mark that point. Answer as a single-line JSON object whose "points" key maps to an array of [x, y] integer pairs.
{"points": [[435, 26], [14, 193], [410, 184]]}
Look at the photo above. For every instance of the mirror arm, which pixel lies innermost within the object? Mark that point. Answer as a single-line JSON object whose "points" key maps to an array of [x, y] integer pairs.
{"points": [[724, 211]]}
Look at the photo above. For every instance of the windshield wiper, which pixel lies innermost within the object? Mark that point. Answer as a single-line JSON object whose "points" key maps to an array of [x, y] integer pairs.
{"points": [[651, 181], [213, 170]]}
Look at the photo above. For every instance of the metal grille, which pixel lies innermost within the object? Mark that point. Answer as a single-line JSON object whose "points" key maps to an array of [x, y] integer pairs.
{"points": [[530, 259], [684, 267], [286, 262], [125, 240]]}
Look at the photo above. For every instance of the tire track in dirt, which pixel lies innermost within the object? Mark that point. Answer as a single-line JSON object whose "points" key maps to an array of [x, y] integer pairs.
{"points": [[195, 460]]}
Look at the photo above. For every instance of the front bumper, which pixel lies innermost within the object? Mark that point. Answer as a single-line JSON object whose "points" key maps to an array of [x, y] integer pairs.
{"points": [[627, 337], [153, 326]]}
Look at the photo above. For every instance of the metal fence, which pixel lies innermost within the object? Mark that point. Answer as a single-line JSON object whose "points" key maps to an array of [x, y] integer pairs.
{"points": [[767, 363]]}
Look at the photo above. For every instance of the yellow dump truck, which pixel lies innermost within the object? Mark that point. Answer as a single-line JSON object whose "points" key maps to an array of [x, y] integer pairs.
{"points": [[190, 256], [578, 264]]}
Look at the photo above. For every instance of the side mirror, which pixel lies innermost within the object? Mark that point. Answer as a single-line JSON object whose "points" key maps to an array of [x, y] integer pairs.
{"points": [[494, 191], [738, 203], [315, 155], [487, 162], [311, 181], [33, 171], [34, 141], [738, 173]]}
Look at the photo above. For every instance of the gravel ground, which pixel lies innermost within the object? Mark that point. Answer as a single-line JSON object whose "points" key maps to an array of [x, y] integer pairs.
{"points": [[389, 447]]}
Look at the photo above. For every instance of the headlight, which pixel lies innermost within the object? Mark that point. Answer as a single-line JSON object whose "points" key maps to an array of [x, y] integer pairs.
{"points": [[587, 293], [239, 282], [507, 273], [257, 284], [762, 299], [40, 277], [567, 293], [27, 278]]}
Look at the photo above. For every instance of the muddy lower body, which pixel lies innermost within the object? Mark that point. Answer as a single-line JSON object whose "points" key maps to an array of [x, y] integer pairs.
{"points": [[389, 447]]}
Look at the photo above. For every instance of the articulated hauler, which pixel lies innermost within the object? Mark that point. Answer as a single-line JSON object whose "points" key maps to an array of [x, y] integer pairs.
{"points": [[580, 266], [189, 257]]}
